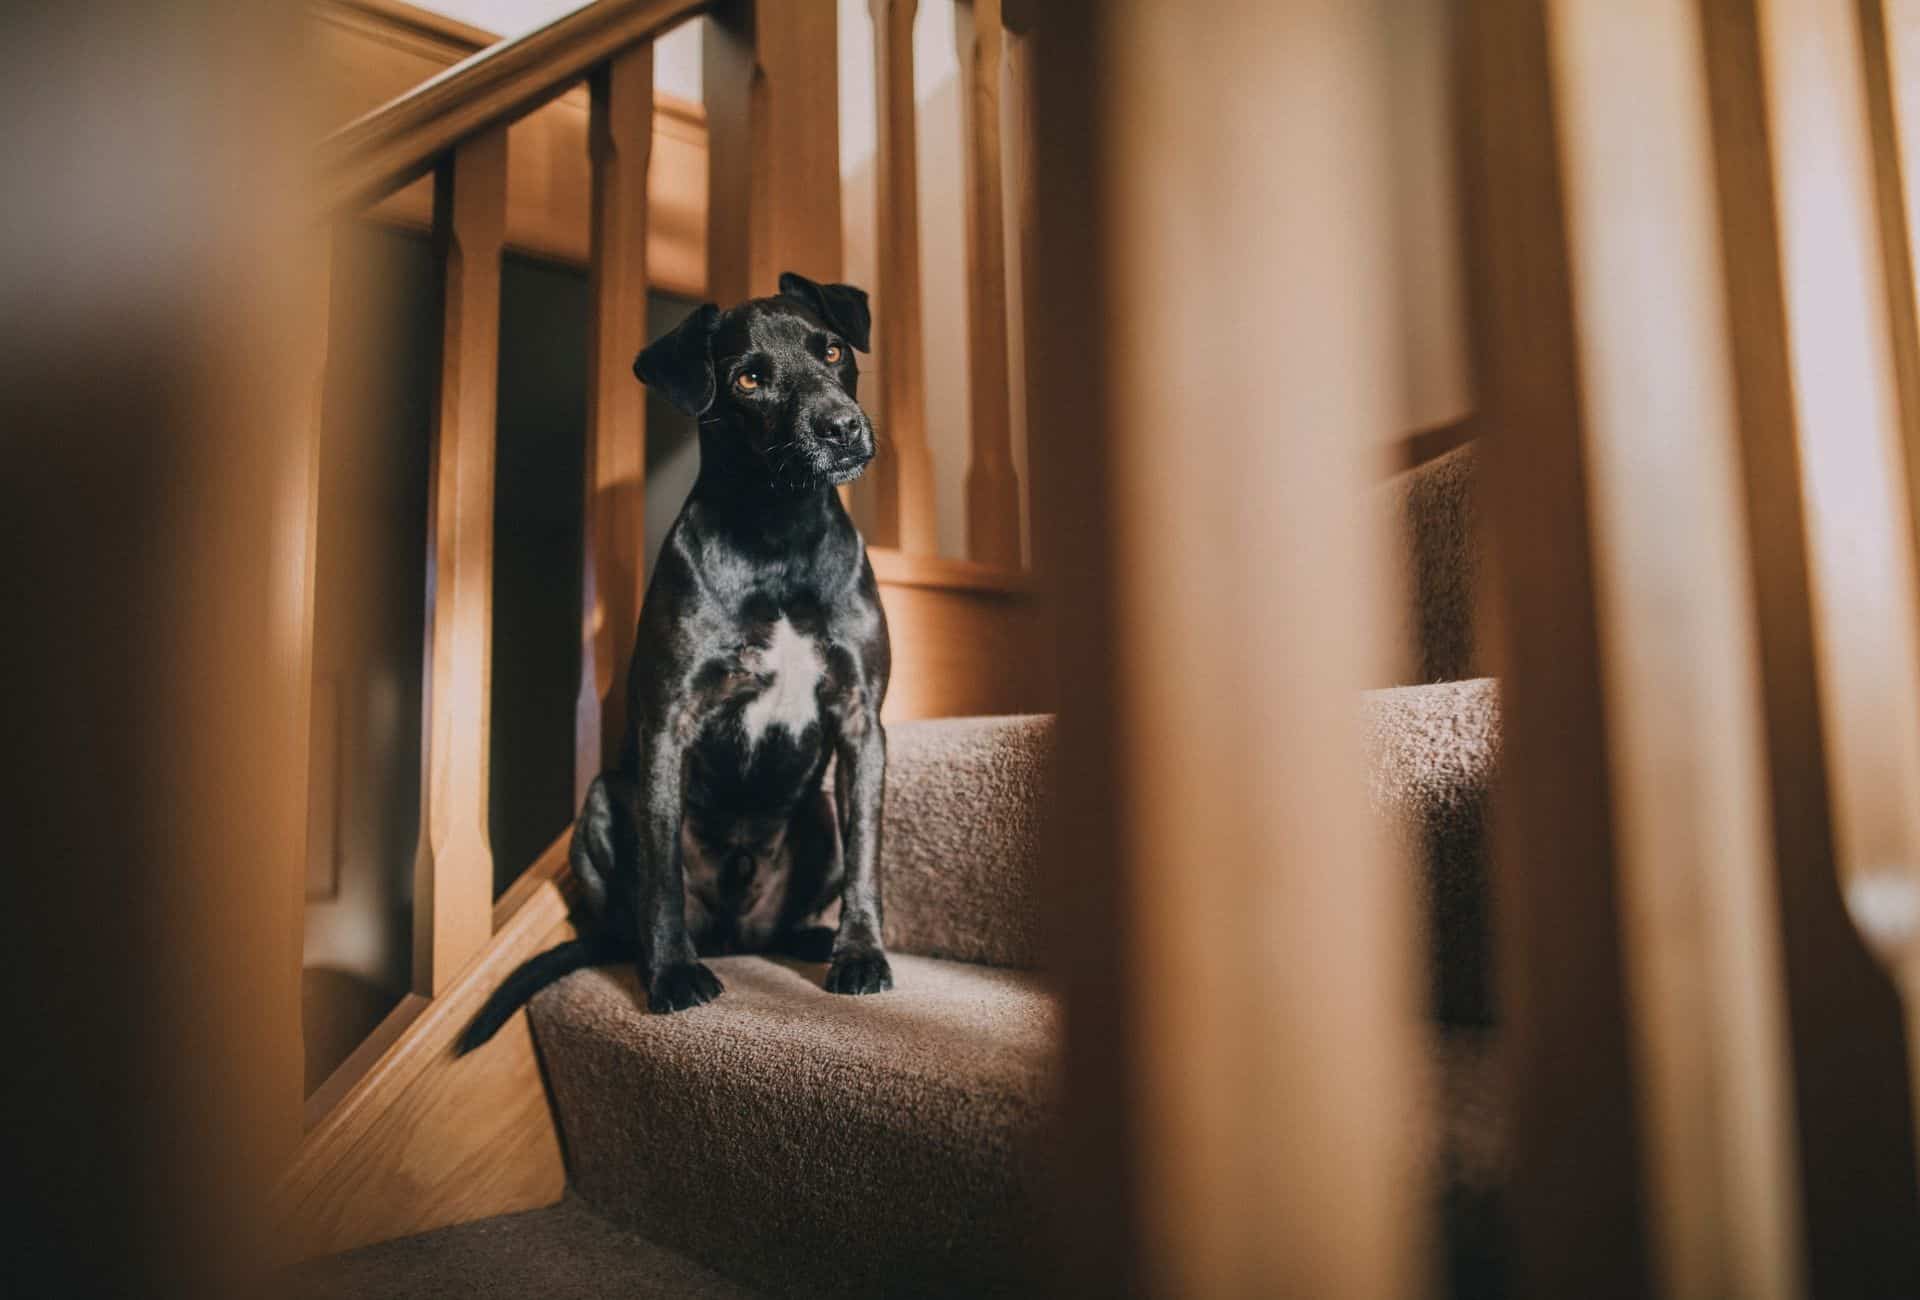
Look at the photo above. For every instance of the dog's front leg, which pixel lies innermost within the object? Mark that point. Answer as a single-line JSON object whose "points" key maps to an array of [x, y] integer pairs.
{"points": [[859, 963], [672, 975]]}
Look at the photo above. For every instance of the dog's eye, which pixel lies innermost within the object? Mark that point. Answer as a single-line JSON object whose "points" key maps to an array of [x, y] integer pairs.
{"points": [[746, 381], [834, 354]]}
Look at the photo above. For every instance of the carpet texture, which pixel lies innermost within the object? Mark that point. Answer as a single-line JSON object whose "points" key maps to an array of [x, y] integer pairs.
{"points": [[565, 1252], [807, 1143], [1433, 752], [959, 883], [1432, 513]]}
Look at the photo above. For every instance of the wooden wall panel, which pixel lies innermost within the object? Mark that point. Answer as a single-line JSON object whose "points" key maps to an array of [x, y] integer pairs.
{"points": [[967, 639]]}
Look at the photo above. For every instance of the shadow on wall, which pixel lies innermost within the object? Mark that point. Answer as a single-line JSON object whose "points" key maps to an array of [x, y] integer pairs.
{"points": [[371, 601]]}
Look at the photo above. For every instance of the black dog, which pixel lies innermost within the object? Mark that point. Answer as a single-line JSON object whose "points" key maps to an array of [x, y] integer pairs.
{"points": [[762, 653]]}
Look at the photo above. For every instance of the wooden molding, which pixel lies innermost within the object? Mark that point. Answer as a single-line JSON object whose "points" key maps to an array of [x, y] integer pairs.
{"points": [[971, 646], [369, 53], [413, 1138], [903, 569], [1423, 445]]}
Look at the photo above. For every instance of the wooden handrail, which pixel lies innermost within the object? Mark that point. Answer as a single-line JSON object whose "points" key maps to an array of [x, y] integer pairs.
{"points": [[399, 141]]}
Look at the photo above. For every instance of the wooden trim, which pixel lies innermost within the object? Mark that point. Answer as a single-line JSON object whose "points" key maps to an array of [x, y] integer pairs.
{"points": [[395, 19], [992, 485], [378, 153], [900, 569], [347, 1075], [453, 876], [616, 463], [961, 650], [1416, 449], [419, 1138], [905, 508]]}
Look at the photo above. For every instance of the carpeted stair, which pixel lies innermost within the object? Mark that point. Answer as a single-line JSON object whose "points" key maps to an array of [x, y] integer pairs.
{"points": [[800, 1144]]}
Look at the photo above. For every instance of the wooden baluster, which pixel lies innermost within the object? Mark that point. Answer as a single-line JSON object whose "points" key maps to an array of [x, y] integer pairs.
{"points": [[771, 85], [993, 487], [1856, 1142], [904, 504], [1240, 1045], [620, 138], [1844, 352], [1640, 976], [453, 874], [1018, 15]]}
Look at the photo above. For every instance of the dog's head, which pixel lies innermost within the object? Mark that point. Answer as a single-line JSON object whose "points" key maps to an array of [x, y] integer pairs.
{"points": [[773, 382]]}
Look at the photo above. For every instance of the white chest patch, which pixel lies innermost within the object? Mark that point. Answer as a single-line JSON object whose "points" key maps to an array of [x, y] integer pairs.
{"points": [[794, 665]]}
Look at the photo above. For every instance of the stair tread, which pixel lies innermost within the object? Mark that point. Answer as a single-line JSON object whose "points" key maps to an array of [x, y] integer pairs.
{"points": [[783, 1132], [564, 1250]]}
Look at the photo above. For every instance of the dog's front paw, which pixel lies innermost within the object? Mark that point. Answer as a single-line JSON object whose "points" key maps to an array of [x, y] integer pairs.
{"points": [[860, 972], [680, 986]]}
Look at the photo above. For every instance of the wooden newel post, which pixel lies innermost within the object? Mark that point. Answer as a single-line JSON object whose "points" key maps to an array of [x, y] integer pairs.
{"points": [[620, 137], [993, 488], [903, 473], [453, 874]]}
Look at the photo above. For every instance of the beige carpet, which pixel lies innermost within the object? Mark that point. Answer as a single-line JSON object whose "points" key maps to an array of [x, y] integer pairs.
{"points": [[563, 1253], [809, 1143]]}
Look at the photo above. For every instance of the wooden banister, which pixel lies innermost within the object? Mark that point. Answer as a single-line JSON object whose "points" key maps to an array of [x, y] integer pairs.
{"points": [[904, 504], [453, 878], [376, 154], [620, 137], [993, 488]]}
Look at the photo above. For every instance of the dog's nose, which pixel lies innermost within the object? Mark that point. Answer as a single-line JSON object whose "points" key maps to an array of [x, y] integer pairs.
{"points": [[840, 428]]}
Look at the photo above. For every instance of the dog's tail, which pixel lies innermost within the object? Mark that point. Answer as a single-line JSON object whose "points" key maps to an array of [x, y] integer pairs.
{"points": [[534, 974]]}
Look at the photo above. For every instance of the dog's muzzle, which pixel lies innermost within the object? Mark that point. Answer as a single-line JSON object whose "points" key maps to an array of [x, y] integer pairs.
{"points": [[842, 445]]}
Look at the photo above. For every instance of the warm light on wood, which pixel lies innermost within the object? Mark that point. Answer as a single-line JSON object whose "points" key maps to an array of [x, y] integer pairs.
{"points": [[1845, 353], [453, 876], [905, 512], [993, 488], [622, 133], [1234, 943]]}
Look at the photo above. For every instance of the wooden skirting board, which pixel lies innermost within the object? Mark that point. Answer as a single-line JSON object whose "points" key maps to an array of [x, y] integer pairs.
{"points": [[367, 52]]}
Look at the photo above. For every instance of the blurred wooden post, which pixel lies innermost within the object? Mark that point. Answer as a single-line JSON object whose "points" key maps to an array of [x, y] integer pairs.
{"points": [[993, 489], [453, 874], [1018, 16], [1856, 1142], [1844, 354], [1640, 979], [772, 93], [620, 138], [1235, 945], [903, 472]]}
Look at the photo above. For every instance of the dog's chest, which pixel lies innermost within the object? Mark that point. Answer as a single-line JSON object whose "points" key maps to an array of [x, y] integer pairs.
{"points": [[787, 670]]}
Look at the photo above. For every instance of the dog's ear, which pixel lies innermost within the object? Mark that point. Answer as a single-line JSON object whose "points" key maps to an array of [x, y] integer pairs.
{"points": [[680, 362], [839, 305]]}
